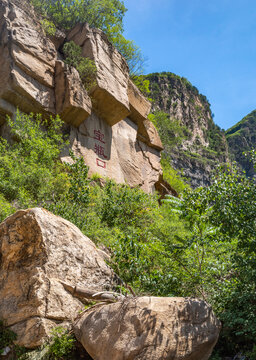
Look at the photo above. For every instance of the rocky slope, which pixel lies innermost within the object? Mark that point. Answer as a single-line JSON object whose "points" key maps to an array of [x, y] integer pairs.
{"points": [[199, 143], [242, 138], [49, 270]]}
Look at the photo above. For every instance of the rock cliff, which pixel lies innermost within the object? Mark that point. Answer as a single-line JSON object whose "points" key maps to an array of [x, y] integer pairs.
{"points": [[201, 143], [109, 126], [241, 139]]}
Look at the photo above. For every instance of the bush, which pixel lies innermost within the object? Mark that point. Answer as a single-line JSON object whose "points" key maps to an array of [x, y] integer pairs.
{"points": [[123, 206], [61, 344], [172, 176], [86, 67], [171, 132], [30, 172]]}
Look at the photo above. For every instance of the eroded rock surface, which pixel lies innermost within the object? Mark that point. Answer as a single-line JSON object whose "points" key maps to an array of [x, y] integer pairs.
{"points": [[149, 328], [111, 92], [116, 152], [202, 144], [38, 251], [27, 61], [109, 126], [72, 101]]}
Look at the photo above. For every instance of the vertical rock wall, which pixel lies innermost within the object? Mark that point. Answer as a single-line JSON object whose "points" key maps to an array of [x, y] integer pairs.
{"points": [[109, 126]]}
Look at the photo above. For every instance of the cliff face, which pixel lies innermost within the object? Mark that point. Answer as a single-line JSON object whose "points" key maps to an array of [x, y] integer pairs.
{"points": [[109, 126], [242, 138], [201, 143]]}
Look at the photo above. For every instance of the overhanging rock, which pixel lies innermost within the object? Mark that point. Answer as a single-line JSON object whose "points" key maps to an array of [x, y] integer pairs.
{"points": [[110, 94], [108, 127]]}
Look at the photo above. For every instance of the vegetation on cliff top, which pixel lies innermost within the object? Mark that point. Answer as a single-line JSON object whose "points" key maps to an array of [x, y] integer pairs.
{"points": [[202, 245], [185, 123], [106, 15], [176, 84]]}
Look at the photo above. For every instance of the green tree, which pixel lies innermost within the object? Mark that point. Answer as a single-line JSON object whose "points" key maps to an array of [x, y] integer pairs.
{"points": [[222, 241]]}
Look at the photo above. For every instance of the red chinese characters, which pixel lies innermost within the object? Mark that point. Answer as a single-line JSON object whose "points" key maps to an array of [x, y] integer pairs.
{"points": [[99, 136], [99, 148]]}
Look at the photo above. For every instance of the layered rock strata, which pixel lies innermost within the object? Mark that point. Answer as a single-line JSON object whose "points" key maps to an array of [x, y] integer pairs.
{"points": [[39, 251], [109, 126]]}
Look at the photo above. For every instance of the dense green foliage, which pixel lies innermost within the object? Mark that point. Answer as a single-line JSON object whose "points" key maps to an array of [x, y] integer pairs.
{"points": [[103, 14], [106, 15], [29, 170], [224, 216], [202, 244], [142, 84], [61, 344], [172, 176], [86, 67], [171, 132]]}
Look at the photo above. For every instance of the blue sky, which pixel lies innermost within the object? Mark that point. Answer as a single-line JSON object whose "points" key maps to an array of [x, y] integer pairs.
{"points": [[211, 43]]}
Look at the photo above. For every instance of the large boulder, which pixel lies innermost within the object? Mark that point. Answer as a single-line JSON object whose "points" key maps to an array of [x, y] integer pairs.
{"points": [[38, 252], [149, 328]]}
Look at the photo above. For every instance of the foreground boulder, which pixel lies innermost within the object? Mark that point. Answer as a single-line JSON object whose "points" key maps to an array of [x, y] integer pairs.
{"points": [[38, 252], [149, 328]]}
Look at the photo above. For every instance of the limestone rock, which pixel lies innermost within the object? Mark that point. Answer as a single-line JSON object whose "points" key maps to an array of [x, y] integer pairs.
{"points": [[110, 95], [72, 102], [149, 328], [38, 250]]}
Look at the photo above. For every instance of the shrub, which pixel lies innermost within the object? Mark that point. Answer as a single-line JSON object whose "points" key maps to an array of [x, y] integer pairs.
{"points": [[172, 176], [29, 170], [86, 67], [171, 132], [123, 206], [61, 344]]}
